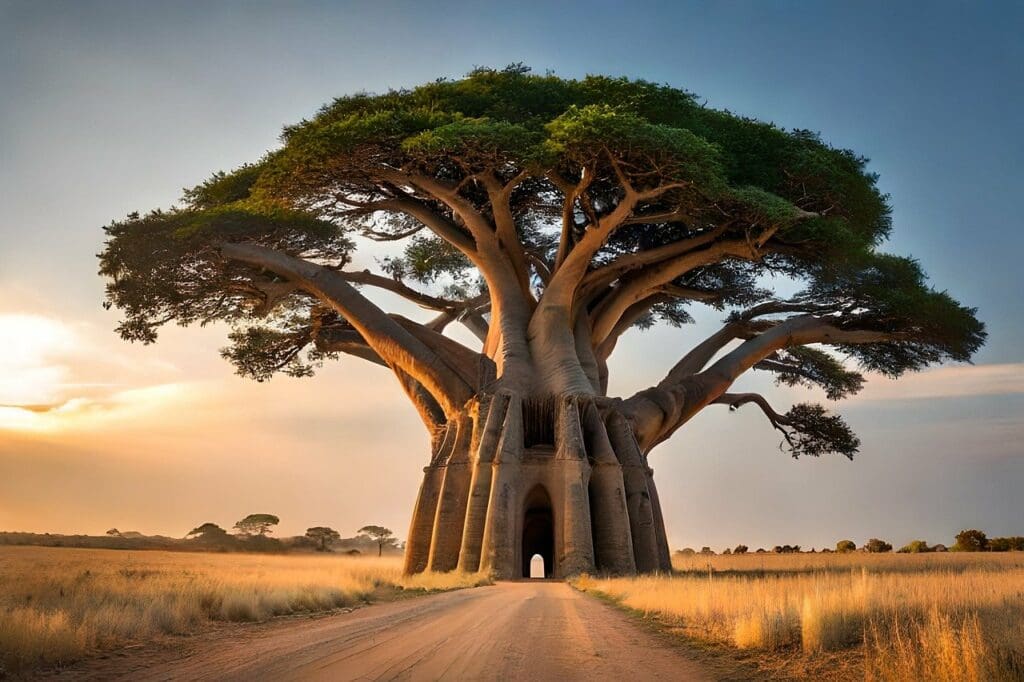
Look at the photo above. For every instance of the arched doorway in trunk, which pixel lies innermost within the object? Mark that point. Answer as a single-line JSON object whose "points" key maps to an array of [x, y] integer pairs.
{"points": [[538, 531]]}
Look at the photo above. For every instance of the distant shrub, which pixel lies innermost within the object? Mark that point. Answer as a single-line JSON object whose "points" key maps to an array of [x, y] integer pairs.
{"points": [[970, 541], [706, 550], [876, 546], [1010, 544], [686, 551], [915, 547], [844, 546], [740, 549]]}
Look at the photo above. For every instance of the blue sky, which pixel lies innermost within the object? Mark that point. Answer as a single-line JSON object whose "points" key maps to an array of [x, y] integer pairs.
{"points": [[109, 107]]}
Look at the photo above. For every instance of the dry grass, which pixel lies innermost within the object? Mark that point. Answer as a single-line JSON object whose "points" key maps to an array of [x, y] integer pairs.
{"points": [[57, 605], [874, 617]]}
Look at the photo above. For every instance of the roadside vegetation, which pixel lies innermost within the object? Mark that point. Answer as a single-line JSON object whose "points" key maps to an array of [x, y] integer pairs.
{"points": [[856, 615], [58, 605]]}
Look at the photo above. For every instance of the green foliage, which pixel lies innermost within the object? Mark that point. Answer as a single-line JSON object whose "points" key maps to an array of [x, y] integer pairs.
{"points": [[885, 293], [1010, 544], [305, 199], [257, 524], [223, 189], [970, 541], [876, 546], [846, 546], [427, 258], [814, 432], [166, 266], [807, 366], [915, 547]]}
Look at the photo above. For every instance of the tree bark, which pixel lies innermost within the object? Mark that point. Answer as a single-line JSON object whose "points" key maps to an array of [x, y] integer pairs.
{"points": [[478, 505]]}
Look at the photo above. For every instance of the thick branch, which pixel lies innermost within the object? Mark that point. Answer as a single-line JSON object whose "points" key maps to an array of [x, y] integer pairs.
{"points": [[648, 281], [737, 400], [796, 331], [393, 343], [701, 354], [605, 275], [336, 339], [505, 224]]}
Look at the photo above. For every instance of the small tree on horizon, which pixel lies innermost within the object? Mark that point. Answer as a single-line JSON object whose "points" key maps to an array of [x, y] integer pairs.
{"points": [[876, 546], [844, 546], [257, 524], [207, 531], [970, 541], [113, 532], [915, 547], [379, 534], [323, 536], [740, 549]]}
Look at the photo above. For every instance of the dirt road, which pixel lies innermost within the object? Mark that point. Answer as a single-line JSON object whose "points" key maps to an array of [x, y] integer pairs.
{"points": [[510, 631]]}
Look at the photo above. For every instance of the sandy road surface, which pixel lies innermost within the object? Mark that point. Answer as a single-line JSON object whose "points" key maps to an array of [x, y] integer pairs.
{"points": [[510, 631]]}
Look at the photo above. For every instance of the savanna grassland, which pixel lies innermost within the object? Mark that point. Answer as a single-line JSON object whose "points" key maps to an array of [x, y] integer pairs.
{"points": [[61, 604], [956, 616]]}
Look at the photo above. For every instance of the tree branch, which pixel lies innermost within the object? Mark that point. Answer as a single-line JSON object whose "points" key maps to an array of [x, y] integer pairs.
{"points": [[390, 340], [647, 281]]}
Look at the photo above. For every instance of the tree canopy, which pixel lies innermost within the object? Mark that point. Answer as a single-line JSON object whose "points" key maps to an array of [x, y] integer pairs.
{"points": [[256, 524], [380, 535], [322, 536], [548, 216]]}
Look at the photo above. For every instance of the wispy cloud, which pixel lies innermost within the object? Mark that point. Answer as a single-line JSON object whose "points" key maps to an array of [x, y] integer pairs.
{"points": [[948, 382]]}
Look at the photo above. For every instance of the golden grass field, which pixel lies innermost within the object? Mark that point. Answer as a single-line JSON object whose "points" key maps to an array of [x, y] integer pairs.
{"points": [[954, 616], [60, 604]]}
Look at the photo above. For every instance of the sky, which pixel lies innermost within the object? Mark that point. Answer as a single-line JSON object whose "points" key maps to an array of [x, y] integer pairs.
{"points": [[112, 107]]}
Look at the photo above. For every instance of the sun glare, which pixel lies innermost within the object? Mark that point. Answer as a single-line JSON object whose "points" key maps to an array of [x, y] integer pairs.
{"points": [[31, 359]]}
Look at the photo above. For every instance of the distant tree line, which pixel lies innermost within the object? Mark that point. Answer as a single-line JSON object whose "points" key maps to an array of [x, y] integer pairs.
{"points": [[253, 533], [966, 541]]}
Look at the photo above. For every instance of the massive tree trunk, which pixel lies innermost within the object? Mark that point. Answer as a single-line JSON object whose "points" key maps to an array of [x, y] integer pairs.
{"points": [[557, 475]]}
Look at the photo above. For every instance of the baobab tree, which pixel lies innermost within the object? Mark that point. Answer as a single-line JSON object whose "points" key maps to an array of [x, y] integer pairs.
{"points": [[548, 217]]}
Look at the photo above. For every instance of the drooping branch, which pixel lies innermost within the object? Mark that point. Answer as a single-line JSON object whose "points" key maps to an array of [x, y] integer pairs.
{"points": [[796, 331], [659, 411], [806, 429], [390, 340], [737, 400], [345, 339]]}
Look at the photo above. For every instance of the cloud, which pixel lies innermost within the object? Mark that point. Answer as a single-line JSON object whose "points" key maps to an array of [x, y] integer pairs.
{"points": [[126, 409], [947, 382], [31, 369]]}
